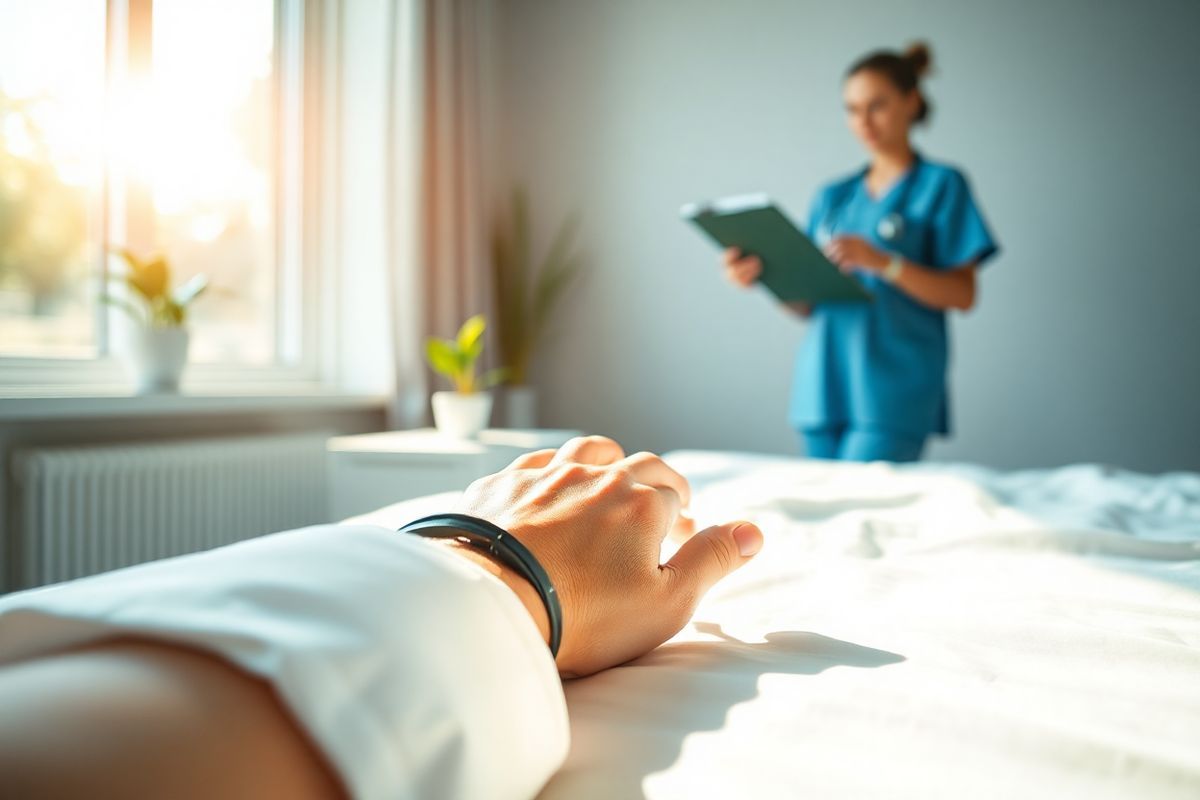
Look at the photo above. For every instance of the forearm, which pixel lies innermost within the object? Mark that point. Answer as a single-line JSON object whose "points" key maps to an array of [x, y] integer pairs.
{"points": [[937, 288], [143, 719], [150, 719], [302, 616], [940, 289]]}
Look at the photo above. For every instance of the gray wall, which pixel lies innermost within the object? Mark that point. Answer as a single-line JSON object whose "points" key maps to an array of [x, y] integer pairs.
{"points": [[1076, 121]]}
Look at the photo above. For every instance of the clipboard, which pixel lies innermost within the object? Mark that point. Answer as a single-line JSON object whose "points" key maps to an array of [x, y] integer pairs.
{"points": [[794, 269]]}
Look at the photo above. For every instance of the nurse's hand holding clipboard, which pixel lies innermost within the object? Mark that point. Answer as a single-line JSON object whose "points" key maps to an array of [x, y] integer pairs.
{"points": [[744, 270]]}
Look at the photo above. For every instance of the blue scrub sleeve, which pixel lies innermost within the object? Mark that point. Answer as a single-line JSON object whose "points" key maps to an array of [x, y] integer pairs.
{"points": [[960, 234]]}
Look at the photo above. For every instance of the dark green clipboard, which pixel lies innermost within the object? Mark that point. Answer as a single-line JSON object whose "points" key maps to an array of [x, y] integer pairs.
{"points": [[793, 268]]}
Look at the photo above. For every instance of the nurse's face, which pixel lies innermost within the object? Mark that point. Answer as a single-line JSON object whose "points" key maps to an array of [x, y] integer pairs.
{"points": [[878, 113]]}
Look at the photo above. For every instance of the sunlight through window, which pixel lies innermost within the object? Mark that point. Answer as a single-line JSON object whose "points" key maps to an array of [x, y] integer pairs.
{"points": [[52, 68], [211, 167], [157, 128]]}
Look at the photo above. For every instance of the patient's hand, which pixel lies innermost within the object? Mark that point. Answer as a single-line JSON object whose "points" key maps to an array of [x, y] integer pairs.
{"points": [[596, 519]]}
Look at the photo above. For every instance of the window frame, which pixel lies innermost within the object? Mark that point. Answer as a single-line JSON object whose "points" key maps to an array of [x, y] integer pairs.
{"points": [[306, 146]]}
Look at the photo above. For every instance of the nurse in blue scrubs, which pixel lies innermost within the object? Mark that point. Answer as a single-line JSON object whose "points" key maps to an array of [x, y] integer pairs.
{"points": [[870, 380]]}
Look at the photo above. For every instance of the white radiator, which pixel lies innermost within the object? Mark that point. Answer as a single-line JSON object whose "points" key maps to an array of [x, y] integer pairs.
{"points": [[82, 510]]}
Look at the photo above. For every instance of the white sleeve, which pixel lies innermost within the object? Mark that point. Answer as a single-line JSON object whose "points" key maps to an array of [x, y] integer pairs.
{"points": [[417, 673]]}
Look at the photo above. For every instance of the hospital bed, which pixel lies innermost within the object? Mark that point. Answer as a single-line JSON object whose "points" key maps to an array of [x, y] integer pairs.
{"points": [[917, 631]]}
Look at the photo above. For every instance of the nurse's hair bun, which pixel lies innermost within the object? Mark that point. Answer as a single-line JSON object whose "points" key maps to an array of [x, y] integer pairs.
{"points": [[920, 57]]}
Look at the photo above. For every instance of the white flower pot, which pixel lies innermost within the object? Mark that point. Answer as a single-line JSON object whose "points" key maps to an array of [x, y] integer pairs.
{"points": [[462, 416], [520, 407], [155, 358]]}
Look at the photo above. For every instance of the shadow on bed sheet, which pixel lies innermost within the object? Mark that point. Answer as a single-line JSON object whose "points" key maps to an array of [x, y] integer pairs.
{"points": [[631, 721]]}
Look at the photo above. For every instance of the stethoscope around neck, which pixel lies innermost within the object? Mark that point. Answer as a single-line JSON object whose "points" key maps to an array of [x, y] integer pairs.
{"points": [[890, 227]]}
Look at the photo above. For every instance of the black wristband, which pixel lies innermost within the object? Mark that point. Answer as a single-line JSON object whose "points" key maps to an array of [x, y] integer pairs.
{"points": [[506, 548]]}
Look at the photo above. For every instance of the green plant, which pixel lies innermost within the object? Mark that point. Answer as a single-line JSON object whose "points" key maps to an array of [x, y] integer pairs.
{"points": [[43, 219], [455, 358], [149, 280], [525, 297]]}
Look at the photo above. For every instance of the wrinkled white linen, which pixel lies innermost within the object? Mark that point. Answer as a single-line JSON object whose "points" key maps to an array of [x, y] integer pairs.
{"points": [[417, 673], [925, 631]]}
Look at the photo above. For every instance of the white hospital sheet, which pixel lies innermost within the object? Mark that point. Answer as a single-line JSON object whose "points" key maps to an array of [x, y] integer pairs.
{"points": [[915, 632]]}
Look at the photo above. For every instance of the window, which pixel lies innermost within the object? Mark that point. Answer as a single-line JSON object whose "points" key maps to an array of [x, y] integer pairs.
{"points": [[51, 170], [168, 126]]}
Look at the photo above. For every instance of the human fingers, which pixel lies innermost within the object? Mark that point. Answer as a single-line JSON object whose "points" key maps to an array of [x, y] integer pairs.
{"points": [[734, 257], [839, 257], [710, 555], [739, 277], [684, 527], [746, 271], [669, 505], [650, 469], [535, 460], [598, 450]]}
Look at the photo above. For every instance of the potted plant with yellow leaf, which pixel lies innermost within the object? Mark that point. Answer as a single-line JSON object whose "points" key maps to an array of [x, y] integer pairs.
{"points": [[158, 342], [464, 412]]}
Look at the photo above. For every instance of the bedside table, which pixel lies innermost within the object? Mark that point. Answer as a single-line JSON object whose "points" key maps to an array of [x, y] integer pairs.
{"points": [[372, 470]]}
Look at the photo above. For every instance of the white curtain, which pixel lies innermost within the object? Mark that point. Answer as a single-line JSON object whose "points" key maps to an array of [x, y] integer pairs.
{"points": [[437, 187]]}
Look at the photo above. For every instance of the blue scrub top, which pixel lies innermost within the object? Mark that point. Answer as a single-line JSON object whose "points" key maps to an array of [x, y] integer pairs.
{"points": [[882, 364]]}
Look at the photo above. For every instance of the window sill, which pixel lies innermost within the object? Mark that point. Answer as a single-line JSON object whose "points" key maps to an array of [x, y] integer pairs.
{"points": [[60, 404]]}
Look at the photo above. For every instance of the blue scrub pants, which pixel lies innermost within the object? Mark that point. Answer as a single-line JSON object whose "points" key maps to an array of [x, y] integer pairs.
{"points": [[842, 443]]}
